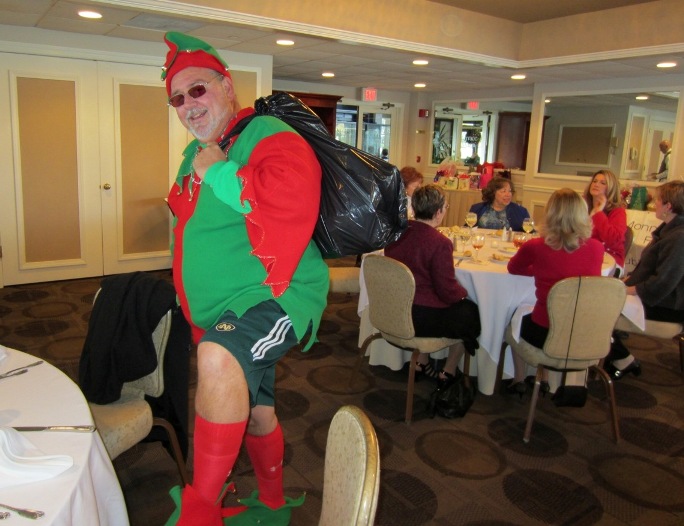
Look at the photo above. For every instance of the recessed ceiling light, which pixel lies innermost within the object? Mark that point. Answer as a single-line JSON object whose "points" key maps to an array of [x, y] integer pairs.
{"points": [[285, 42], [667, 64], [419, 85], [642, 97], [546, 101], [328, 74], [89, 14], [518, 76], [420, 62]]}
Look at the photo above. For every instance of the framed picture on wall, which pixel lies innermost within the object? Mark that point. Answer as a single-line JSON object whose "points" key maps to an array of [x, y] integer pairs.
{"points": [[590, 145]]}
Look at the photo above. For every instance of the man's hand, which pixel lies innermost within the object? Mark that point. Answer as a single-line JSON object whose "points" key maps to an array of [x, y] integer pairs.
{"points": [[206, 157]]}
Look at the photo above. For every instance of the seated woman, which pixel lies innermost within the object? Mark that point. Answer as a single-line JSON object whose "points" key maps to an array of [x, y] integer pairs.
{"points": [[602, 195], [412, 179], [565, 249], [497, 211], [440, 306], [658, 278]]}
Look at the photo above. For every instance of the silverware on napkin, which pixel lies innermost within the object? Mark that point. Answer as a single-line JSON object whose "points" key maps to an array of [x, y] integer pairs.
{"points": [[77, 429]]}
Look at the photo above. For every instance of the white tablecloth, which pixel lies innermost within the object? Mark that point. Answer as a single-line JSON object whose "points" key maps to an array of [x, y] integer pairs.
{"points": [[87, 494], [498, 294]]}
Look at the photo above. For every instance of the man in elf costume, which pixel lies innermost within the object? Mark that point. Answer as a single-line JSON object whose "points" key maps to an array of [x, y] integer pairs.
{"points": [[250, 281]]}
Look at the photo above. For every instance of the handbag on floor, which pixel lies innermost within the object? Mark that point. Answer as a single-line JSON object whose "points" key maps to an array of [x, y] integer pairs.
{"points": [[453, 398]]}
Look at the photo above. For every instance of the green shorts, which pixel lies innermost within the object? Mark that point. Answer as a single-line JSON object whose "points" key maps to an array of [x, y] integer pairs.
{"points": [[257, 340]]}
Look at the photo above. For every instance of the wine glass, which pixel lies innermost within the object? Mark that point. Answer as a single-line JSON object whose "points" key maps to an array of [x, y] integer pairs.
{"points": [[519, 239], [471, 219], [528, 225], [478, 241]]}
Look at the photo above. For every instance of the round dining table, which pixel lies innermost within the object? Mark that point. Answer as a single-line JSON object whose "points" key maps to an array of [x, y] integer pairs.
{"points": [[498, 296], [86, 494]]}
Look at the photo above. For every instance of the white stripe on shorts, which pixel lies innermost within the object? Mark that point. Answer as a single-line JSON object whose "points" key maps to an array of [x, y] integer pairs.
{"points": [[272, 339]]}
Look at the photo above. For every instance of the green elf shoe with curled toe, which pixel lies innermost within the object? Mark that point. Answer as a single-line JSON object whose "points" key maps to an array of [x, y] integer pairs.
{"points": [[175, 493], [258, 514]]}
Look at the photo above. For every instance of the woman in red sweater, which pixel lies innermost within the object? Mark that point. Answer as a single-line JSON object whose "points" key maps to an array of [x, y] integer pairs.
{"points": [[609, 219], [565, 249], [440, 306]]}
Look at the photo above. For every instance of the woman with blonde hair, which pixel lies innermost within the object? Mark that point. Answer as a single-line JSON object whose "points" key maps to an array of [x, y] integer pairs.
{"points": [[608, 217], [565, 249]]}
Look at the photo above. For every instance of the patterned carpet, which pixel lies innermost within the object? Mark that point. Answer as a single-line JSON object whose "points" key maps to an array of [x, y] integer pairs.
{"points": [[475, 470]]}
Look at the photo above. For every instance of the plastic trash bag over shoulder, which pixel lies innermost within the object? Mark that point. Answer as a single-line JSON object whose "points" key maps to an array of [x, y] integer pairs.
{"points": [[363, 202]]}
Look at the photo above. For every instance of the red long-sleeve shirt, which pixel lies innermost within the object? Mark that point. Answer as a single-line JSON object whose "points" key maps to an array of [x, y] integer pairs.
{"points": [[610, 228], [548, 266]]}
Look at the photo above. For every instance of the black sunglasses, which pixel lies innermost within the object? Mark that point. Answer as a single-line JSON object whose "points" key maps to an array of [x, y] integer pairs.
{"points": [[195, 92]]}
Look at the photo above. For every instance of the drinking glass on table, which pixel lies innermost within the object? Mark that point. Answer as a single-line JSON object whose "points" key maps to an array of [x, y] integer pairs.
{"points": [[464, 235], [478, 241], [471, 219], [528, 225], [519, 239]]}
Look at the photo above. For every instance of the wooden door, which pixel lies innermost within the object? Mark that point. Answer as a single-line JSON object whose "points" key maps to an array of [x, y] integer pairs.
{"points": [[50, 212]]}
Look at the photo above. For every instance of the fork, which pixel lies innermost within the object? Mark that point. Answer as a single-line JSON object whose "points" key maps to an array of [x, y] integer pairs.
{"points": [[19, 370], [26, 513]]}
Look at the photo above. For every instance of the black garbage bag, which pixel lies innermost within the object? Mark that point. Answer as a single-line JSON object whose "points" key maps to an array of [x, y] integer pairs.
{"points": [[363, 202]]}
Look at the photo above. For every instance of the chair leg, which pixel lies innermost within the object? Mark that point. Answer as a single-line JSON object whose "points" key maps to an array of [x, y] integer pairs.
{"points": [[362, 354], [409, 389], [500, 367], [175, 448], [612, 406], [533, 404]]}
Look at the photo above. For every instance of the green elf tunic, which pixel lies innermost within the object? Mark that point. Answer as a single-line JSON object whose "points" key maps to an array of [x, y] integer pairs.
{"points": [[243, 236]]}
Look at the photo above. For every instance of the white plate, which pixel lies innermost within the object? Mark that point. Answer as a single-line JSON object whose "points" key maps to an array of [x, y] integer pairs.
{"points": [[508, 250]]}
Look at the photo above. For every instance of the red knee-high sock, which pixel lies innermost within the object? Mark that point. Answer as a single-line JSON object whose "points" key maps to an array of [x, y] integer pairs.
{"points": [[266, 453], [216, 447]]}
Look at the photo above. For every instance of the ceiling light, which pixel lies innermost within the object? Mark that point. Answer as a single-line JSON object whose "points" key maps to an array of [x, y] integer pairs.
{"points": [[518, 76], [420, 62], [419, 85], [642, 97], [285, 42], [546, 101], [667, 64], [328, 74], [89, 14]]}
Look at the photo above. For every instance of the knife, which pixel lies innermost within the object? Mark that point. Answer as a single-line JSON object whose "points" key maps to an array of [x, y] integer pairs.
{"points": [[78, 429]]}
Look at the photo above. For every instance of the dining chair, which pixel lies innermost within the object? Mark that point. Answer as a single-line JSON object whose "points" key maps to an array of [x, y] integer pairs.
{"points": [[127, 421], [344, 279], [582, 314], [351, 476], [391, 287], [657, 329]]}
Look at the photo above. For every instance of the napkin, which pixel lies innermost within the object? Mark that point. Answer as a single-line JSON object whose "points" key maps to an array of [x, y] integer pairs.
{"points": [[3, 353], [21, 462]]}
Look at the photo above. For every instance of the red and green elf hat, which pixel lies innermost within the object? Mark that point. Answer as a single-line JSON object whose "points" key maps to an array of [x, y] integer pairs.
{"points": [[186, 51]]}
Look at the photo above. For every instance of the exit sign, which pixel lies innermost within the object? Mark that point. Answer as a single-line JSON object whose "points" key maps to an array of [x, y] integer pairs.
{"points": [[473, 105], [369, 94]]}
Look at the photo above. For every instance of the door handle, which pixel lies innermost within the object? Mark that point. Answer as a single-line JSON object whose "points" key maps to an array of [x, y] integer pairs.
{"points": [[107, 186]]}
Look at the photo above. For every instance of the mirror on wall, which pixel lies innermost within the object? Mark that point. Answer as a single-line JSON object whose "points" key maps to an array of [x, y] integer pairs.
{"points": [[488, 131], [619, 132]]}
